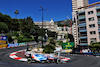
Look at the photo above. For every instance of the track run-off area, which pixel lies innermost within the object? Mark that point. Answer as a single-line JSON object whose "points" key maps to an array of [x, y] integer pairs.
{"points": [[76, 60]]}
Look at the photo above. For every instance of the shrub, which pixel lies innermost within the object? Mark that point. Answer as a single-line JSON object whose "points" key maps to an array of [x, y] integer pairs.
{"points": [[27, 35], [48, 49], [15, 33]]}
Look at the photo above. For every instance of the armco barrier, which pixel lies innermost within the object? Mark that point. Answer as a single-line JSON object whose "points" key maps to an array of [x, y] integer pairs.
{"points": [[13, 45]]}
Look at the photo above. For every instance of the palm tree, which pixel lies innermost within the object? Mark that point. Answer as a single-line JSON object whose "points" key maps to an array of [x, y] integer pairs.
{"points": [[16, 12]]}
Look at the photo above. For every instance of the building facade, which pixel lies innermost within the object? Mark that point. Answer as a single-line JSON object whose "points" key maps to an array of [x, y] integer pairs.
{"points": [[49, 25], [74, 33], [75, 5], [89, 25], [79, 3], [62, 31]]}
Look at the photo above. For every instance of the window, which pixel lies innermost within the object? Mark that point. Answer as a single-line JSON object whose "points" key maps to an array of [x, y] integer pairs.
{"points": [[92, 32], [91, 19], [92, 25], [62, 29], [93, 39], [90, 12]]}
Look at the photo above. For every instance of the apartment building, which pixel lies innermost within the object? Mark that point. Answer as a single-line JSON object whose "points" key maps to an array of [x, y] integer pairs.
{"points": [[79, 3], [89, 25]]}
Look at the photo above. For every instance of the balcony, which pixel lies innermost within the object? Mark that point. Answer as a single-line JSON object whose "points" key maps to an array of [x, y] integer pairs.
{"points": [[83, 28], [83, 41], [82, 22], [83, 31], [83, 35], [81, 12], [82, 25], [98, 13], [82, 44], [98, 8], [81, 17], [99, 29], [98, 21]]}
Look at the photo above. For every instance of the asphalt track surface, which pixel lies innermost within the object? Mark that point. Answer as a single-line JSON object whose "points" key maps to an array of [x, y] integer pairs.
{"points": [[76, 61]]}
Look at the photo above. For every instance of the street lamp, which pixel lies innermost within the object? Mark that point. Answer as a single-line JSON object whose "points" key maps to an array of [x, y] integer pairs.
{"points": [[16, 12], [42, 21]]}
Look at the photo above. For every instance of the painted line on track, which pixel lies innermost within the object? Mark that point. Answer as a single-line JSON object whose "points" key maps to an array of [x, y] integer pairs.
{"points": [[14, 56]]}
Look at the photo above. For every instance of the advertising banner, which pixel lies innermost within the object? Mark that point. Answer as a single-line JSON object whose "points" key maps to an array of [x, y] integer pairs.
{"points": [[68, 50], [13, 45], [3, 38], [68, 45], [3, 45], [22, 44], [2, 42]]}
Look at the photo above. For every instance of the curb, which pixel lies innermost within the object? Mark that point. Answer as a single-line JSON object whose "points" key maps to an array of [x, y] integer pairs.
{"points": [[13, 56]]}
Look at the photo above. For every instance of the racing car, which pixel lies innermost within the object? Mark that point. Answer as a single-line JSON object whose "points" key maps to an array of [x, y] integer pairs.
{"points": [[56, 59], [45, 58]]}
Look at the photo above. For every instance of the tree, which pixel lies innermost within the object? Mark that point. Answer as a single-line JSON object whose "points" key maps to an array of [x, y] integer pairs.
{"points": [[94, 46], [50, 47], [26, 24], [15, 25], [69, 36], [3, 28], [6, 19]]}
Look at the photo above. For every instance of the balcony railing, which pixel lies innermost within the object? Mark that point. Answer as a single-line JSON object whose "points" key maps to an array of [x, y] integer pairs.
{"points": [[98, 19], [83, 41], [82, 28], [82, 16], [98, 13], [81, 22], [82, 35]]}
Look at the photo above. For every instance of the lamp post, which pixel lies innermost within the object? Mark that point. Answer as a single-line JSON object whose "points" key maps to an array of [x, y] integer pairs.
{"points": [[42, 21], [16, 12]]}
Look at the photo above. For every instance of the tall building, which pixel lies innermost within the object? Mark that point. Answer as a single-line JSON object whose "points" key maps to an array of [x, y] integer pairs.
{"points": [[75, 5], [89, 25], [79, 3]]}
